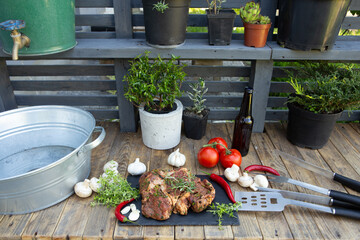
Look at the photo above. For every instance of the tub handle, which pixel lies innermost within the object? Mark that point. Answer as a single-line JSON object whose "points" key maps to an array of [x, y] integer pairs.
{"points": [[94, 143]]}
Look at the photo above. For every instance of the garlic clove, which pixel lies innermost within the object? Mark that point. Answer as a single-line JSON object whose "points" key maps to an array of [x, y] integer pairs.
{"points": [[82, 189], [125, 210], [94, 184], [133, 207], [134, 215]]}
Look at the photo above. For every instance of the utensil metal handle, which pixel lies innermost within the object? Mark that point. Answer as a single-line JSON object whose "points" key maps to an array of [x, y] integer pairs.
{"points": [[351, 183], [346, 213], [345, 197], [96, 142]]}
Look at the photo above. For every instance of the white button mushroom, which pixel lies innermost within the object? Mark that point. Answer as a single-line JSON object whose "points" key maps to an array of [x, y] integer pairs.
{"points": [[112, 165], [82, 189], [137, 167], [94, 184], [232, 174], [245, 180], [259, 181]]}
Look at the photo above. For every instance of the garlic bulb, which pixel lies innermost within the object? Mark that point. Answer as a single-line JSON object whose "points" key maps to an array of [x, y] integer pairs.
{"points": [[137, 167], [94, 184], [259, 181], [82, 189], [176, 159], [134, 215], [112, 165], [245, 180], [232, 174]]}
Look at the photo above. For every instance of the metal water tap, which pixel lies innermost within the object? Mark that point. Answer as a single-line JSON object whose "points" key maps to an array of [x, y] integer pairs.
{"points": [[20, 39]]}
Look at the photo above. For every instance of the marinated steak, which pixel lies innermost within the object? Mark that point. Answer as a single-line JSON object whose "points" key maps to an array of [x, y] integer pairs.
{"points": [[167, 191]]}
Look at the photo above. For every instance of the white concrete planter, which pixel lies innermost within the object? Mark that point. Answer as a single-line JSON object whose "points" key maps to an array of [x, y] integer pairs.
{"points": [[161, 131]]}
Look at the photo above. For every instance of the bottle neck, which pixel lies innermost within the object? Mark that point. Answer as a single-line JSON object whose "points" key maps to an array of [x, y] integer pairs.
{"points": [[246, 103]]}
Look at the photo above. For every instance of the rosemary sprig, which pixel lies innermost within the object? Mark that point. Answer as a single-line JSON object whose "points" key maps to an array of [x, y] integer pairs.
{"points": [[181, 184], [221, 209]]}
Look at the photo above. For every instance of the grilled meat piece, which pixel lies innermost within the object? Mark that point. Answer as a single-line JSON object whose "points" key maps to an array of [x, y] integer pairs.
{"points": [[167, 191]]}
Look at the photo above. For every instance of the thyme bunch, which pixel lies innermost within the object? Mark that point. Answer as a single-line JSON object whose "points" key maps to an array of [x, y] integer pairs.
{"points": [[221, 209]]}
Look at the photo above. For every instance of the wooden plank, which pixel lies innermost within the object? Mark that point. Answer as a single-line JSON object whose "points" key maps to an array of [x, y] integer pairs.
{"points": [[98, 20], [135, 150], [217, 71], [123, 21], [202, 4], [61, 70], [104, 114], [63, 85], [342, 51], [7, 97], [130, 48], [11, 226], [95, 35], [90, 100], [350, 133], [102, 221], [127, 115], [93, 3], [260, 80], [351, 23], [330, 227]]}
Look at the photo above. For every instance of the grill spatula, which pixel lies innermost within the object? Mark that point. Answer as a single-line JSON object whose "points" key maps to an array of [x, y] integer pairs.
{"points": [[275, 202]]}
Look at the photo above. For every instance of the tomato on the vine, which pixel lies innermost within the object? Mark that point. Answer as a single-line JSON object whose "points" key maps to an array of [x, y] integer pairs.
{"points": [[208, 157], [230, 157], [220, 142]]}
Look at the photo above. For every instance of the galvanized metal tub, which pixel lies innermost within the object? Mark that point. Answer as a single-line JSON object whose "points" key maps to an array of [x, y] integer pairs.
{"points": [[45, 151]]}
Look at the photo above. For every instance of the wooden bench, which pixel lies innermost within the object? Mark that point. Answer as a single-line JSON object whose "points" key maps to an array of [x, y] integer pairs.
{"points": [[83, 78]]}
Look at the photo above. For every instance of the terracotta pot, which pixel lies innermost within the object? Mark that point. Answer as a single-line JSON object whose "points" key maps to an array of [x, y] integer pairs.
{"points": [[256, 34]]}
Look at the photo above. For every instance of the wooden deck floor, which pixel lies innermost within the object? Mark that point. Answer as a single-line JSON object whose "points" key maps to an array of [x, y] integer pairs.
{"points": [[75, 219]]}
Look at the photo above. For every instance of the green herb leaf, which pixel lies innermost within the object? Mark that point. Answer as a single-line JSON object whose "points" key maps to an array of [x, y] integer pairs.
{"points": [[221, 209]]}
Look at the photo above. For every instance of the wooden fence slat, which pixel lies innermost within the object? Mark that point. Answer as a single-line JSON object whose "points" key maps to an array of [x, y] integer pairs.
{"points": [[61, 70], [63, 85], [7, 98], [93, 3], [128, 121], [123, 22], [83, 100], [99, 20]]}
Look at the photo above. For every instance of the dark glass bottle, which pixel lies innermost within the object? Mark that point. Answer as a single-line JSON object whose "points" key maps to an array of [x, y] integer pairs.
{"points": [[243, 124]]}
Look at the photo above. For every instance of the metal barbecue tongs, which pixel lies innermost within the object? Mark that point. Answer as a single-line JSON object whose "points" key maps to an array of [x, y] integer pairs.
{"points": [[275, 200], [345, 197]]}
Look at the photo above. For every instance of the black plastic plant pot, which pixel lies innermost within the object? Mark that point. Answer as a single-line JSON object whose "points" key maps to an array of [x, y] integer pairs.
{"points": [[167, 29], [220, 27], [195, 127], [310, 24], [307, 129]]}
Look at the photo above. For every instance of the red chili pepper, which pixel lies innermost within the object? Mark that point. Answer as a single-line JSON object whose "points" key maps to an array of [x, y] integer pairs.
{"points": [[118, 215], [261, 168], [223, 184]]}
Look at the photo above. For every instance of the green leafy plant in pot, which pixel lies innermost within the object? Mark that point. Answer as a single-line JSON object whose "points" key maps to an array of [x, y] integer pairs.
{"points": [[153, 86], [220, 23], [195, 116], [165, 22], [322, 92], [256, 26]]}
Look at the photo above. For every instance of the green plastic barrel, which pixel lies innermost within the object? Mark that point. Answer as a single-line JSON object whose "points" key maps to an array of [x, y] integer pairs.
{"points": [[50, 25]]}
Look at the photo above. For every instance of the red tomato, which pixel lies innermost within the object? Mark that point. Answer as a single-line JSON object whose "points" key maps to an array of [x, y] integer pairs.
{"points": [[219, 148], [208, 157], [228, 159]]}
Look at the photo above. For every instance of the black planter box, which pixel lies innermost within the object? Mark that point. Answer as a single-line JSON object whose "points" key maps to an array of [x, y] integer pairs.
{"points": [[195, 127]]}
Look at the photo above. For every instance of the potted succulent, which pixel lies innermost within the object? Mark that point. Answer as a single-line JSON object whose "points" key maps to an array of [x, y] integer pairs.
{"points": [[153, 86], [165, 22], [322, 92], [195, 117], [256, 26], [310, 24], [220, 23]]}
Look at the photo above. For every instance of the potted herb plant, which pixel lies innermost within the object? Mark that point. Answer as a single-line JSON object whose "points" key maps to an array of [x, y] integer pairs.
{"points": [[153, 86], [322, 92], [220, 23], [256, 26], [165, 22], [195, 117]]}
